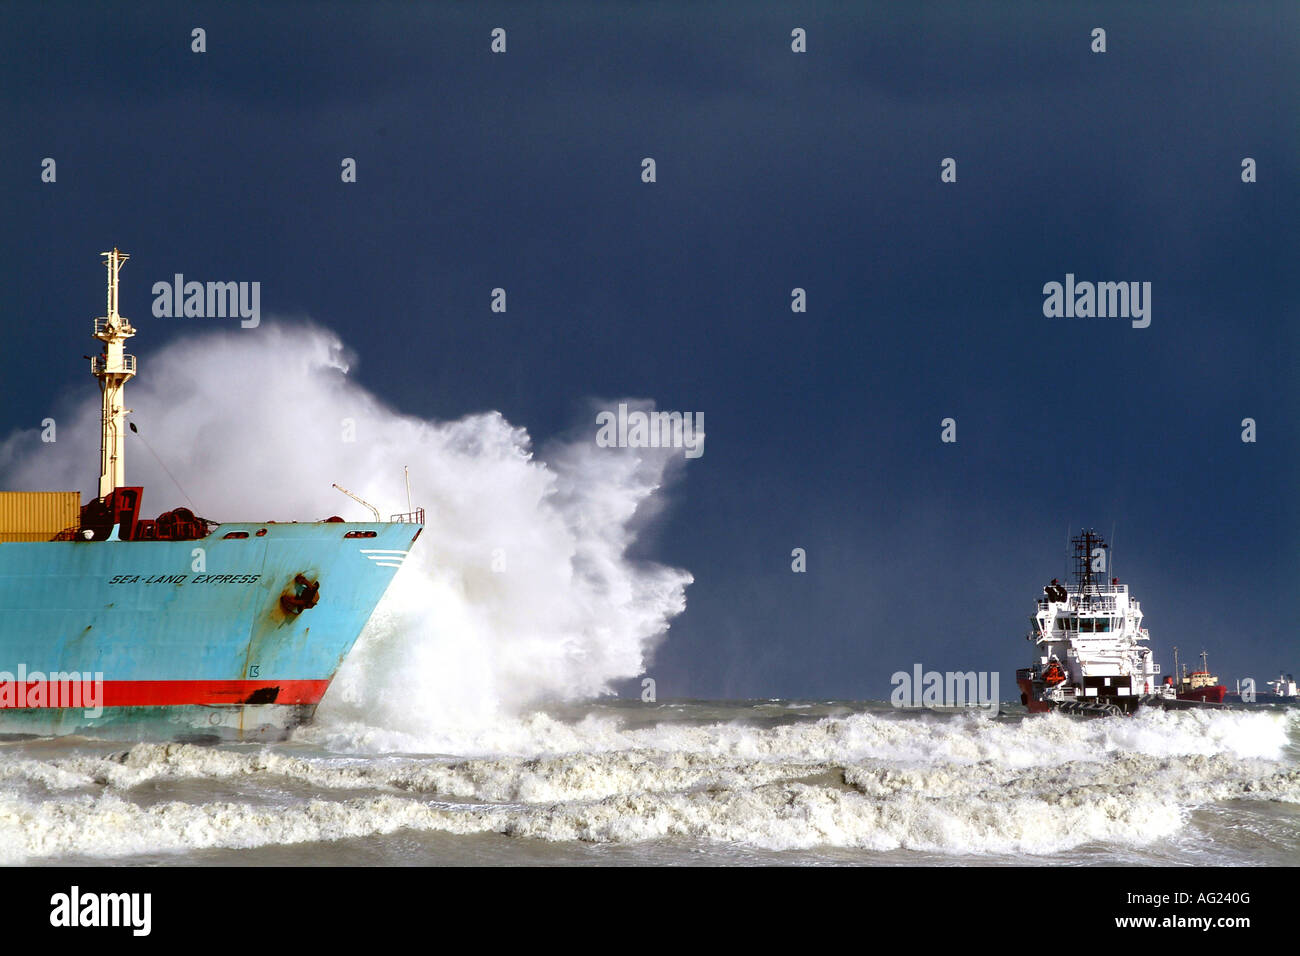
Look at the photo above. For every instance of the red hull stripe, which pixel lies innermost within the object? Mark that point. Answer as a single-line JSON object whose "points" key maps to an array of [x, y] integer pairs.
{"points": [[169, 693]]}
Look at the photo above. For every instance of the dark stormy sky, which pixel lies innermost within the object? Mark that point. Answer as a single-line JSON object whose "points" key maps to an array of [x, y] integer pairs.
{"points": [[775, 170]]}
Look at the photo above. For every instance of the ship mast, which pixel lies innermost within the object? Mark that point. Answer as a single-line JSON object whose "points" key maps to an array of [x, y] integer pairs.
{"points": [[1086, 580], [113, 368]]}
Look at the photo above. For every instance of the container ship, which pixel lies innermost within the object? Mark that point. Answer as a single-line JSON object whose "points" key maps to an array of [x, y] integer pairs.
{"points": [[1091, 647], [114, 624]]}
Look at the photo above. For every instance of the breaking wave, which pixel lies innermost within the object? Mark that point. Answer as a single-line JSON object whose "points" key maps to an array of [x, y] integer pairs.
{"points": [[869, 781]]}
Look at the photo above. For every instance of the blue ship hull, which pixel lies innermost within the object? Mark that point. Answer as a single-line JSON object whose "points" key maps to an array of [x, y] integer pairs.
{"points": [[234, 635]]}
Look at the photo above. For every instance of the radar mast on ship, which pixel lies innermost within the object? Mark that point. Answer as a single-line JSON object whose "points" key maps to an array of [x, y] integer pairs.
{"points": [[113, 367], [1089, 562]]}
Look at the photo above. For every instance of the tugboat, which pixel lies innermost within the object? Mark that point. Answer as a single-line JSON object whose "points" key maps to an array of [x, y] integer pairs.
{"points": [[1200, 686], [1090, 644]]}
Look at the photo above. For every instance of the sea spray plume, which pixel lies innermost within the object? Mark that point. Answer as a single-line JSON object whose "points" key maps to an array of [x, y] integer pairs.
{"points": [[240, 419], [520, 588], [521, 594]]}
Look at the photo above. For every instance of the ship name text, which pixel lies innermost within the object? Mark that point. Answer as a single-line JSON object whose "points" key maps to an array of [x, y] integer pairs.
{"points": [[184, 579]]}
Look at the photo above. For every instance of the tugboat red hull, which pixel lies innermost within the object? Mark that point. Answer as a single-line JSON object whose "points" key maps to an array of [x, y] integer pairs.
{"points": [[1212, 694], [1027, 697]]}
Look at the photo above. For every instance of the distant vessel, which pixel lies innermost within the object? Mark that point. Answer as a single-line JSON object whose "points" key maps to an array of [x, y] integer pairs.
{"points": [[1284, 687], [1090, 643], [1200, 686], [1280, 691], [110, 622]]}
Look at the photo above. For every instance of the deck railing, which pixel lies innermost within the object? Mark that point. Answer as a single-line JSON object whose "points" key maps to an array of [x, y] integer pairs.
{"points": [[99, 363]]}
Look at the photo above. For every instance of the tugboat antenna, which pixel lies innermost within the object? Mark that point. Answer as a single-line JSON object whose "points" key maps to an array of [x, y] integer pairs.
{"points": [[1068, 526], [1110, 555]]}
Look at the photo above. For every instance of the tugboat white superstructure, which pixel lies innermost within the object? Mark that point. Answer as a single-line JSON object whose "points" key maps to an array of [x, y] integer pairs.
{"points": [[1090, 642]]}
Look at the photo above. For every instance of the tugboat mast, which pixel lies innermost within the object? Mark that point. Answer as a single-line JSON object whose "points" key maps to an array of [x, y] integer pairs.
{"points": [[113, 367], [1086, 580]]}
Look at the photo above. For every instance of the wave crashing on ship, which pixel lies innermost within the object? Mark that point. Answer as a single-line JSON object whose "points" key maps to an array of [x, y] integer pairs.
{"points": [[521, 587]]}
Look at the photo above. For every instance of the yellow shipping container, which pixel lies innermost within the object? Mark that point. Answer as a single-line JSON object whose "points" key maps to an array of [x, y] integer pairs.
{"points": [[38, 515]]}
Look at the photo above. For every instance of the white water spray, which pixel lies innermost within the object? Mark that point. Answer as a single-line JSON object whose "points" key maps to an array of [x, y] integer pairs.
{"points": [[520, 588]]}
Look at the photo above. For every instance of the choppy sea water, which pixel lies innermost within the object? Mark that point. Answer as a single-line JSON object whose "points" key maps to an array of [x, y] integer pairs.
{"points": [[689, 782]]}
